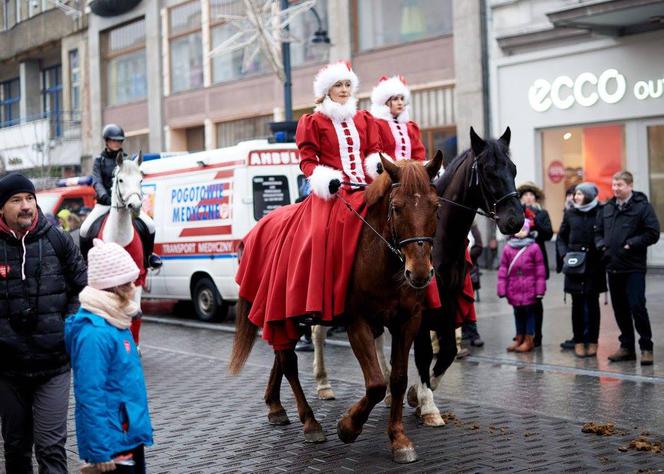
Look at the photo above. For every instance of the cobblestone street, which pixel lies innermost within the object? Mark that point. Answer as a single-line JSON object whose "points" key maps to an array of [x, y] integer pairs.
{"points": [[505, 412]]}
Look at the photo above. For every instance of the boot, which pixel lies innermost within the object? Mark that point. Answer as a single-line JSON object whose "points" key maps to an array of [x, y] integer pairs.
{"points": [[527, 345], [518, 340], [622, 354], [646, 358], [592, 350], [580, 350]]}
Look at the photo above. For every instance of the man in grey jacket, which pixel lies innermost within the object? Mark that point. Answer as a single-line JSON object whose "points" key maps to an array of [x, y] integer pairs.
{"points": [[626, 226]]}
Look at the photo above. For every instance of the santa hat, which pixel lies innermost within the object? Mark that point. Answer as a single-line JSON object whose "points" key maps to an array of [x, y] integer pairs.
{"points": [[389, 87], [333, 73], [109, 265]]}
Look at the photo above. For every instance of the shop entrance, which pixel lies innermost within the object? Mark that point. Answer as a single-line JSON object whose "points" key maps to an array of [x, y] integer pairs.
{"points": [[652, 146]]}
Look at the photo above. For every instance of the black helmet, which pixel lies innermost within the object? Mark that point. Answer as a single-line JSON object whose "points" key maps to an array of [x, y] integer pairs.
{"points": [[113, 132]]}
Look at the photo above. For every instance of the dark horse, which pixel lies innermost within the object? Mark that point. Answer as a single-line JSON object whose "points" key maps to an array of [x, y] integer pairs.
{"points": [[386, 288], [480, 178]]}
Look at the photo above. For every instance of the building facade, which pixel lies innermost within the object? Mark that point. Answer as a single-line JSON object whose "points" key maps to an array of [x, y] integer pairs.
{"points": [[43, 98], [153, 69], [581, 85]]}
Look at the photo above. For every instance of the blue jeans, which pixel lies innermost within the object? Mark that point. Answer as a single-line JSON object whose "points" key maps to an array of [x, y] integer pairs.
{"points": [[524, 318], [628, 298]]}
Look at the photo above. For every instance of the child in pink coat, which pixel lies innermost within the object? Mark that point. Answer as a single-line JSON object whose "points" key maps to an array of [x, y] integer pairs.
{"points": [[522, 279]]}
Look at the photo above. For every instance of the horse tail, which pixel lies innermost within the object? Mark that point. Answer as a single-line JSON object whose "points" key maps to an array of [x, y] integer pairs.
{"points": [[245, 336]]}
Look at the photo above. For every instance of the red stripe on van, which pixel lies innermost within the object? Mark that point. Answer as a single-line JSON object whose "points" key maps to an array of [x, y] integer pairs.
{"points": [[214, 230], [228, 164]]}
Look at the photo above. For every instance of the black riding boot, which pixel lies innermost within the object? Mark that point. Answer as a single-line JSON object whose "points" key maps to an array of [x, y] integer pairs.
{"points": [[152, 260]]}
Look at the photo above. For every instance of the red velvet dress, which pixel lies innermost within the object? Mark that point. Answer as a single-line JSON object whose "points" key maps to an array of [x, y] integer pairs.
{"points": [[401, 140], [298, 259]]}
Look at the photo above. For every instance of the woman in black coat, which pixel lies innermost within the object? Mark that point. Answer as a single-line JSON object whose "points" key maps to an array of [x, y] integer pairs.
{"points": [[576, 234]]}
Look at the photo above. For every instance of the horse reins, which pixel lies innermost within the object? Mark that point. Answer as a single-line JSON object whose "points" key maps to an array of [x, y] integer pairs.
{"points": [[397, 244], [122, 203]]}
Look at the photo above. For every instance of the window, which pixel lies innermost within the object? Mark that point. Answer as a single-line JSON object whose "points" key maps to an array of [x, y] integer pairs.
{"points": [[10, 96], [186, 47], [232, 132], [52, 98], [74, 85], [571, 155], [7, 14], [126, 71], [302, 28], [270, 192], [656, 171], [382, 23]]}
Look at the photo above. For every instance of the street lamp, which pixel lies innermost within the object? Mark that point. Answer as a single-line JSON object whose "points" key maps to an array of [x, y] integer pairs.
{"points": [[285, 131]]}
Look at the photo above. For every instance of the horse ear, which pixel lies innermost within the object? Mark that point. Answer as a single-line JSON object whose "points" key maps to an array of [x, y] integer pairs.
{"points": [[433, 166], [505, 138], [391, 168], [119, 157], [139, 160], [476, 143]]}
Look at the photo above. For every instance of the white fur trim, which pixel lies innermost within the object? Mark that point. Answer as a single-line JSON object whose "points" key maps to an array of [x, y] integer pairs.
{"points": [[383, 112], [371, 164], [320, 180], [336, 111], [332, 73], [389, 88], [425, 400]]}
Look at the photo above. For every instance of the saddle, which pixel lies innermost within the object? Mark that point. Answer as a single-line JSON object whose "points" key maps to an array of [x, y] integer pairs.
{"points": [[139, 227]]}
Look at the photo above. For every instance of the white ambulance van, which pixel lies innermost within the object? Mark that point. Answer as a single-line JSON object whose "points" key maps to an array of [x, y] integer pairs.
{"points": [[203, 204]]}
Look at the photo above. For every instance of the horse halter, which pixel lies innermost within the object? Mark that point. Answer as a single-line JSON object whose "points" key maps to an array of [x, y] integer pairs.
{"points": [[476, 181], [122, 202]]}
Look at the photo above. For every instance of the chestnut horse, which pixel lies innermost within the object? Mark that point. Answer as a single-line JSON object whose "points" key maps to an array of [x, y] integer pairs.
{"points": [[387, 287]]}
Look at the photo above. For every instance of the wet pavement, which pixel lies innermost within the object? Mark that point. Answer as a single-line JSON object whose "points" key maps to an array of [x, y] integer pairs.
{"points": [[506, 412]]}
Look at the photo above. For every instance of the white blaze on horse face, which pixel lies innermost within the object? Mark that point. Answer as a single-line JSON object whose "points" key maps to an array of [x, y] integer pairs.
{"points": [[417, 198]]}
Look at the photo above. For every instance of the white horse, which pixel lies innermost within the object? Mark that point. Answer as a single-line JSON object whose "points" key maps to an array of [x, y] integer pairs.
{"points": [[126, 201]]}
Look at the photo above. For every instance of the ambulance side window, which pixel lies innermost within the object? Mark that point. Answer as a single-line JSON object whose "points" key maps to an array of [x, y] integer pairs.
{"points": [[270, 192], [73, 204], [303, 187]]}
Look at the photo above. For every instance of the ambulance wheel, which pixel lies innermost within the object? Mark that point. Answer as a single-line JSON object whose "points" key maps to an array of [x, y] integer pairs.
{"points": [[207, 301]]}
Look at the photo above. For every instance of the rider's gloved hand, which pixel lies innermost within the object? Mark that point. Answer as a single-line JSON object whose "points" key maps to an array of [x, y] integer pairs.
{"points": [[334, 186], [104, 200]]}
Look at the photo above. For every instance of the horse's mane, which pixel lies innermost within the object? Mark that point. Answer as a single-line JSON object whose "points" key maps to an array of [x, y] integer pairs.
{"points": [[414, 179]]}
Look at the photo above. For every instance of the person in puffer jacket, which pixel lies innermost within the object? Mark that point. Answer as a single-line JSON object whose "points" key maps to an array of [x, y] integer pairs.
{"points": [[522, 279], [112, 417]]}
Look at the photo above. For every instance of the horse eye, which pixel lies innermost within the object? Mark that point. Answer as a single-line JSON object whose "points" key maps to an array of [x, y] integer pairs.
{"points": [[120, 180]]}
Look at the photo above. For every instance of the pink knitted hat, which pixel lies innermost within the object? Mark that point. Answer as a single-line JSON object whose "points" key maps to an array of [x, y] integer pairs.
{"points": [[109, 265]]}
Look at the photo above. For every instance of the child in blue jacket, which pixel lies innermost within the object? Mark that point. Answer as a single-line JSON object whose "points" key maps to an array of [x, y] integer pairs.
{"points": [[112, 417]]}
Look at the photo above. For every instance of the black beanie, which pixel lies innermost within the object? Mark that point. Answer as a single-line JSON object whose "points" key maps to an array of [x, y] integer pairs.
{"points": [[14, 183]]}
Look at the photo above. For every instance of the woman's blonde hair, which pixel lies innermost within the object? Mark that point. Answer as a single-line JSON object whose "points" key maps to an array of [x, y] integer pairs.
{"points": [[125, 293]]}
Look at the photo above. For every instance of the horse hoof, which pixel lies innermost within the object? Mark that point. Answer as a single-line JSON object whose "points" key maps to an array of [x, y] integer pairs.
{"points": [[412, 396], [433, 420], [326, 394], [317, 436], [279, 418], [388, 400], [346, 435], [404, 455]]}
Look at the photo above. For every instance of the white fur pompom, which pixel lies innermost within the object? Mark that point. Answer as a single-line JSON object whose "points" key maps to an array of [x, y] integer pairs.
{"points": [[320, 180]]}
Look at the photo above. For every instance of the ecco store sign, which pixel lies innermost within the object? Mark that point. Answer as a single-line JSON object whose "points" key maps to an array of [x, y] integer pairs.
{"points": [[587, 89]]}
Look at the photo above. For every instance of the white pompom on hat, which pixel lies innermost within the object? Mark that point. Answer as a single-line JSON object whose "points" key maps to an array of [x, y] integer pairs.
{"points": [[109, 265], [333, 73], [389, 87]]}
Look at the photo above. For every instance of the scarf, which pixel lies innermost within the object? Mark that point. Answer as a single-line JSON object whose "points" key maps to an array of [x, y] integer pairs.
{"points": [[519, 243], [336, 111], [587, 207], [107, 305]]}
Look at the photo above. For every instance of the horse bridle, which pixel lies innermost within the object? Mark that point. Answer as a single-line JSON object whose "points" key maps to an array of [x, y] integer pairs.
{"points": [[396, 245], [122, 203], [492, 207]]}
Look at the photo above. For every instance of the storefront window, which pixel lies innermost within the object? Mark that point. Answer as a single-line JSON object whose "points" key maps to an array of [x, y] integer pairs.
{"points": [[384, 23], [10, 96], [656, 168], [186, 47], [232, 132], [126, 70], [575, 154]]}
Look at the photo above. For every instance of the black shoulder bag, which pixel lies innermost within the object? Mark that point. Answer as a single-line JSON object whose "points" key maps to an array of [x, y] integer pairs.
{"points": [[574, 263]]}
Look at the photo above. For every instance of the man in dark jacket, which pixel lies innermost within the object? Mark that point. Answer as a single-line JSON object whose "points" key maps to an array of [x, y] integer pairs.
{"points": [[626, 227], [542, 231], [41, 274]]}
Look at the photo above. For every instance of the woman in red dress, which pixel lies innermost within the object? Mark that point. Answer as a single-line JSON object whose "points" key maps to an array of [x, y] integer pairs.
{"points": [[399, 135], [297, 260]]}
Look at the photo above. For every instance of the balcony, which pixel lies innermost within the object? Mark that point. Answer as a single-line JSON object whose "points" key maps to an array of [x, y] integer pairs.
{"points": [[44, 142]]}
